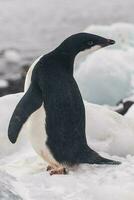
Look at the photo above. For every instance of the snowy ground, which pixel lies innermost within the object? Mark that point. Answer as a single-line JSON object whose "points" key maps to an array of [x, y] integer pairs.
{"points": [[109, 133]]}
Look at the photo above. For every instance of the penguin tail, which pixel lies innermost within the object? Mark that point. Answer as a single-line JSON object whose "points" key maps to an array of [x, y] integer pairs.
{"points": [[93, 157]]}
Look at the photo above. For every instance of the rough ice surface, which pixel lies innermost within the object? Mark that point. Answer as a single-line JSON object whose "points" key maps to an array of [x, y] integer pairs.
{"points": [[23, 174], [107, 75], [7, 190]]}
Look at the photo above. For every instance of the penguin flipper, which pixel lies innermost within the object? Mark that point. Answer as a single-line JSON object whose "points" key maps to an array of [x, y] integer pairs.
{"points": [[29, 103]]}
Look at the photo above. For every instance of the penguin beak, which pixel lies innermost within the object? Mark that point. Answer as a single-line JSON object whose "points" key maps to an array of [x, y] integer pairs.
{"points": [[110, 42]]}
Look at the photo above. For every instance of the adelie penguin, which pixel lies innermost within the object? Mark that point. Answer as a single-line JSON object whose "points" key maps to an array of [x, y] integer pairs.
{"points": [[54, 109]]}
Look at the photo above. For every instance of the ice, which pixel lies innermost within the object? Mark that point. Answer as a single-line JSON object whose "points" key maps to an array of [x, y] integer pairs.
{"points": [[130, 113], [106, 76], [12, 56], [122, 33], [3, 84], [7, 105], [106, 131], [7, 190]]}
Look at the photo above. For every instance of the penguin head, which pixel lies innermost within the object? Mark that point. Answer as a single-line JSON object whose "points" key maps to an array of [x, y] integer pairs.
{"points": [[83, 41]]}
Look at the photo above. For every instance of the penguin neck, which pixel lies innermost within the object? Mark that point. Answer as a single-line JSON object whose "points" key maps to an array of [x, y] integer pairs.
{"points": [[66, 58]]}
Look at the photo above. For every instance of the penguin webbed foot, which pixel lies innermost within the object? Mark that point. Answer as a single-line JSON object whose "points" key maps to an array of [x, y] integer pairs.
{"points": [[49, 168], [56, 170]]}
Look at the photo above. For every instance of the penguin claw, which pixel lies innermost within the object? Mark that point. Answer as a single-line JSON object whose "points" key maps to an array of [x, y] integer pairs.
{"points": [[60, 170], [49, 168]]}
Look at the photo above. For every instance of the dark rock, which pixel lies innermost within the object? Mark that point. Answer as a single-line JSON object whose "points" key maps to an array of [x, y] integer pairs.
{"points": [[15, 85], [123, 106]]}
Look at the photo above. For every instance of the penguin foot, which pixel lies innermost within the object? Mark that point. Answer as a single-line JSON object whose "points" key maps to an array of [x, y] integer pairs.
{"points": [[59, 170], [49, 168]]}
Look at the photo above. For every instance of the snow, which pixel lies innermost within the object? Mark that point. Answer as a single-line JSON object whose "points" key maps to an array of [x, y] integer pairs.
{"points": [[7, 105], [107, 132], [129, 114], [3, 84], [12, 56]]}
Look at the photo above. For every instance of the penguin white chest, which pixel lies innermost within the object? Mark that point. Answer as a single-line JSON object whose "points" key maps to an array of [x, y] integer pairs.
{"points": [[38, 136], [36, 130]]}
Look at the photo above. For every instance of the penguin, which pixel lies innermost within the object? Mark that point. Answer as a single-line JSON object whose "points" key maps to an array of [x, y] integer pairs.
{"points": [[53, 108]]}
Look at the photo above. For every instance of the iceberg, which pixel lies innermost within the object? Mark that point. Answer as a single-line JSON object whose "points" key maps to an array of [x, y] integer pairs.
{"points": [[107, 76]]}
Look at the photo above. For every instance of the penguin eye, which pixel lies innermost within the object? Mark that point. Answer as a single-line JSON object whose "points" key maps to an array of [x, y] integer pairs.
{"points": [[90, 43]]}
